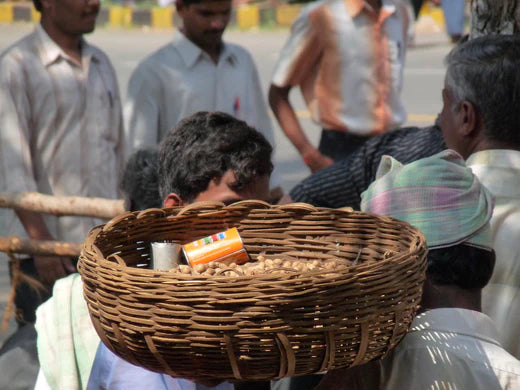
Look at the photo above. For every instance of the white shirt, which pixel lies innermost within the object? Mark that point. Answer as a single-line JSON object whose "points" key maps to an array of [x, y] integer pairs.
{"points": [[61, 129], [348, 62], [452, 349], [181, 79], [499, 171]]}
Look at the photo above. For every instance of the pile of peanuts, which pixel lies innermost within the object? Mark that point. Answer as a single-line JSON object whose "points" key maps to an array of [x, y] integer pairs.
{"points": [[261, 266]]}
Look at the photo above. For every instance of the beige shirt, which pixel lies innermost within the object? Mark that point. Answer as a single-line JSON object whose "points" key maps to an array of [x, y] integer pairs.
{"points": [[181, 79], [499, 171], [348, 62], [452, 349], [61, 129]]}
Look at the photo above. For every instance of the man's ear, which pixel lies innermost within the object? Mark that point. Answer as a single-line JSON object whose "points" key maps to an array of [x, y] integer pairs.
{"points": [[468, 119], [47, 4], [172, 200]]}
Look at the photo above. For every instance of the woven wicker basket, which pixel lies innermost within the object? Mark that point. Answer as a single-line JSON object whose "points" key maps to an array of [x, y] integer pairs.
{"points": [[254, 328]]}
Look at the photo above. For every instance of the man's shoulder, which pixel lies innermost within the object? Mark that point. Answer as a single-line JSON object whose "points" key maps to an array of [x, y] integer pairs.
{"points": [[99, 54], [242, 54], [166, 55], [314, 5], [20, 51]]}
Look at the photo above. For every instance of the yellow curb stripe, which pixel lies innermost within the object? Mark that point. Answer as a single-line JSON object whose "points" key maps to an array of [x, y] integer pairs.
{"points": [[435, 12], [248, 16], [35, 15], [120, 16], [287, 14], [417, 118], [6, 13], [162, 17]]}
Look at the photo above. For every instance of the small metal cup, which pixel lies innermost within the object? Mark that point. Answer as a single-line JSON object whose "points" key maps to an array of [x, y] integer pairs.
{"points": [[165, 255]]}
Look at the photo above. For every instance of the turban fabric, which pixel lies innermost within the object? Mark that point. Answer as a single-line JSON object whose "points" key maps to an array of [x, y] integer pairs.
{"points": [[439, 195]]}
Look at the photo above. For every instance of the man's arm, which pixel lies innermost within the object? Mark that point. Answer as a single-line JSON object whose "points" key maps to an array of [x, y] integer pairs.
{"points": [[297, 63], [284, 113], [49, 268], [258, 117], [141, 111]]}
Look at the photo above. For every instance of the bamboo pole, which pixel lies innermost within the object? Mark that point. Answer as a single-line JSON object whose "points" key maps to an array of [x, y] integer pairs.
{"points": [[39, 248], [62, 205]]}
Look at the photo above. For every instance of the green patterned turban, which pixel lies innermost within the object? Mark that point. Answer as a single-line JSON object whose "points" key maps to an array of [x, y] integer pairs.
{"points": [[439, 195]]}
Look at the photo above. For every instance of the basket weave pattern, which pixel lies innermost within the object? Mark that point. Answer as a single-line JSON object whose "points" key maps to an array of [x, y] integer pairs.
{"points": [[261, 327]]}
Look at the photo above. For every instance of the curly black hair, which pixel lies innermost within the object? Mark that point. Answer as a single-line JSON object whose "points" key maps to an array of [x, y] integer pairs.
{"points": [[140, 181], [205, 146]]}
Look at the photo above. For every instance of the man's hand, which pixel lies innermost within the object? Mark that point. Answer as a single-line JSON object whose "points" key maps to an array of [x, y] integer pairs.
{"points": [[51, 268], [275, 195], [316, 161]]}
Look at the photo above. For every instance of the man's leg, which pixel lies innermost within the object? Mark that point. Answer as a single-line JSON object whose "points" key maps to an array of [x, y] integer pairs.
{"points": [[417, 4], [453, 11]]}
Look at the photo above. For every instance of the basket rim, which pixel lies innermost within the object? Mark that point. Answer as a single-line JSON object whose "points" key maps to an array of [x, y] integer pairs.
{"points": [[208, 208]]}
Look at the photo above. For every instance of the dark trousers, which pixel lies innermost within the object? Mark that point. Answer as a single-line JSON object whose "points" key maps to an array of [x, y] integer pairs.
{"points": [[417, 4], [338, 145]]}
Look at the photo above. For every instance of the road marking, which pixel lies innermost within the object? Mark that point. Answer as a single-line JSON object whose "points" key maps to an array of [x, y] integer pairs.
{"points": [[425, 71], [305, 114]]}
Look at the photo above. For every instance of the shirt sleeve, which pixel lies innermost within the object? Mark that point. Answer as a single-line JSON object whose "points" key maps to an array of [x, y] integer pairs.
{"points": [[259, 117], [110, 372], [300, 53], [141, 110], [121, 150], [342, 184], [16, 163]]}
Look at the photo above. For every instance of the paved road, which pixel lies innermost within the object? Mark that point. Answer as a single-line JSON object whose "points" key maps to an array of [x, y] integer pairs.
{"points": [[423, 74]]}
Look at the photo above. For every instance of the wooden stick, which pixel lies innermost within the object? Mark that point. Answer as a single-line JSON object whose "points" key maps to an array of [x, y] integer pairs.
{"points": [[64, 205], [39, 248]]}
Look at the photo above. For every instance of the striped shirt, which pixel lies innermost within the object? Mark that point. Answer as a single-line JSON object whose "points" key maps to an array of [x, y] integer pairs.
{"points": [[341, 184], [348, 61], [61, 129]]}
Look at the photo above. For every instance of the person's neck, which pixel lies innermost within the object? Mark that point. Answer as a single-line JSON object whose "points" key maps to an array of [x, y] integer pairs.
{"points": [[448, 296], [486, 144], [212, 50], [70, 44]]}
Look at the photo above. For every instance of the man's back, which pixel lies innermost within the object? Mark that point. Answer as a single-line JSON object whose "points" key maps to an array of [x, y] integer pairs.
{"points": [[450, 348], [499, 171]]}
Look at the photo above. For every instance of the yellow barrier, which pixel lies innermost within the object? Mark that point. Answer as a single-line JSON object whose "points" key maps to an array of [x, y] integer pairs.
{"points": [[433, 12], [35, 15], [6, 13], [162, 17], [248, 16], [286, 14], [120, 16]]}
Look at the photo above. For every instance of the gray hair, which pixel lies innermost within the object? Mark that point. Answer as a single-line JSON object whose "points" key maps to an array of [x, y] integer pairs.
{"points": [[485, 72]]}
